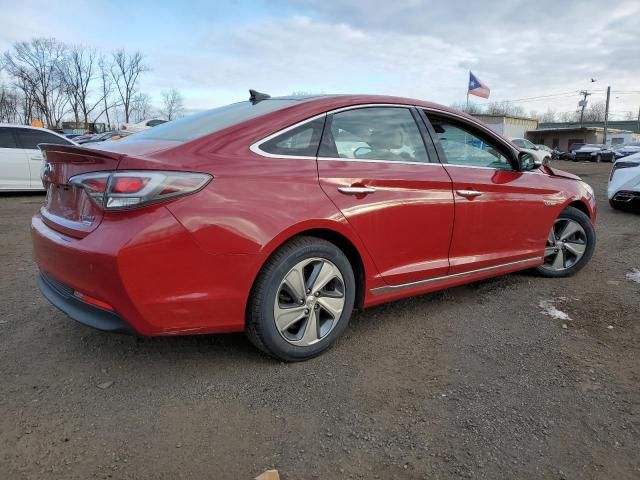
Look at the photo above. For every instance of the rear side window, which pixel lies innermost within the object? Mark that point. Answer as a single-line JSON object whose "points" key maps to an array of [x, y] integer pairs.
{"points": [[30, 138], [301, 141], [205, 123], [374, 133], [6, 138]]}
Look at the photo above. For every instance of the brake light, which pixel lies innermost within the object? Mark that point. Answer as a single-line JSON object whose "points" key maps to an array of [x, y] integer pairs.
{"points": [[128, 184], [122, 190]]}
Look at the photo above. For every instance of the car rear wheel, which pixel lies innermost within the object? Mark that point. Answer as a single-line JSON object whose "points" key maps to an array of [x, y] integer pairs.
{"points": [[598, 158], [570, 244], [302, 300]]}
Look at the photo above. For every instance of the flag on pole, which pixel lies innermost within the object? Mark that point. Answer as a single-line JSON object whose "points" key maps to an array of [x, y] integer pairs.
{"points": [[477, 88]]}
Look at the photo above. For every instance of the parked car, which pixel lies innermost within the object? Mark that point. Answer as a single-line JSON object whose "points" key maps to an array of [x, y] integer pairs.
{"points": [[594, 152], [20, 159], [571, 154], [627, 149], [100, 137], [528, 146], [624, 182], [139, 127], [279, 216]]}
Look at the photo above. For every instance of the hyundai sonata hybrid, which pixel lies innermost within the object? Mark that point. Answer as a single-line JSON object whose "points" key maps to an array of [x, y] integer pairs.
{"points": [[279, 216]]}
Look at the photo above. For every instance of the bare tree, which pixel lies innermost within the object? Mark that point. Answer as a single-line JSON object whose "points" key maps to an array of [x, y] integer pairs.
{"points": [[125, 71], [504, 108], [172, 104], [35, 69], [595, 112], [141, 107], [549, 116], [9, 105], [470, 108], [106, 89], [78, 74]]}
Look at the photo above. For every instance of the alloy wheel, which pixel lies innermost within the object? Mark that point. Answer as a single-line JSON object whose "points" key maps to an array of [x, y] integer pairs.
{"points": [[309, 302], [566, 244]]}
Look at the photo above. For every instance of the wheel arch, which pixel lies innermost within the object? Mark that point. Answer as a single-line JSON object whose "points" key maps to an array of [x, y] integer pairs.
{"points": [[582, 206], [340, 235]]}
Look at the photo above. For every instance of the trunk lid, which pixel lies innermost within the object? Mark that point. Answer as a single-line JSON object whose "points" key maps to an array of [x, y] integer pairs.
{"points": [[69, 209]]}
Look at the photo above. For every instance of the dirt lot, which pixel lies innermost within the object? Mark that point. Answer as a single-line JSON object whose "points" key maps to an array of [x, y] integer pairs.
{"points": [[474, 382]]}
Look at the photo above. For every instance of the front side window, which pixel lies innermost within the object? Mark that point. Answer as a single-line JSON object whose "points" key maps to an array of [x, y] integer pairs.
{"points": [[464, 147], [374, 133], [6, 138], [301, 141], [30, 138]]}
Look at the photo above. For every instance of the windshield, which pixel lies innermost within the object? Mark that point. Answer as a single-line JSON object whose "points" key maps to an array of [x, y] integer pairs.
{"points": [[204, 123]]}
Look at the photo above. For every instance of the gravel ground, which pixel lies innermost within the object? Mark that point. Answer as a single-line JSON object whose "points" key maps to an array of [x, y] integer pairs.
{"points": [[472, 382]]}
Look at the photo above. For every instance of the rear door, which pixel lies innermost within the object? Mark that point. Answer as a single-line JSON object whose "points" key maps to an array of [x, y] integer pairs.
{"points": [[375, 167], [501, 215], [29, 139], [14, 166]]}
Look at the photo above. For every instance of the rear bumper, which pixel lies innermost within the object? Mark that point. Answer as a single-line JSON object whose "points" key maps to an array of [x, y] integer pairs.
{"points": [[153, 273], [61, 296]]}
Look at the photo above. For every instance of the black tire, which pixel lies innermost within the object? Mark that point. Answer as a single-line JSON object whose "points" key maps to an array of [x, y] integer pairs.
{"points": [[598, 158], [260, 322], [581, 218]]}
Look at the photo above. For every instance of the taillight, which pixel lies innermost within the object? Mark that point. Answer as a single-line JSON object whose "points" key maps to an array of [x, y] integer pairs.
{"points": [[121, 190]]}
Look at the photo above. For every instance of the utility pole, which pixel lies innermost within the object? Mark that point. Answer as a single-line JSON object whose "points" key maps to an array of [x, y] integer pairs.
{"points": [[638, 119], [583, 103], [606, 116]]}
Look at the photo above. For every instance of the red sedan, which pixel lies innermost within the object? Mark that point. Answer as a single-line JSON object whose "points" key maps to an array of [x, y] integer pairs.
{"points": [[278, 216]]}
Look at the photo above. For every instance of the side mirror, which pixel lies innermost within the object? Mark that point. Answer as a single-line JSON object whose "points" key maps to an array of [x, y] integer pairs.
{"points": [[526, 162]]}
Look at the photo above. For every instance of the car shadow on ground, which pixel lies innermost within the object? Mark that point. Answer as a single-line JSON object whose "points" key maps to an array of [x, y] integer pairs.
{"points": [[236, 347]]}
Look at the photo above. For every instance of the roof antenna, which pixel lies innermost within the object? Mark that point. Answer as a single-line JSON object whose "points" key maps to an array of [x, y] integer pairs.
{"points": [[255, 96]]}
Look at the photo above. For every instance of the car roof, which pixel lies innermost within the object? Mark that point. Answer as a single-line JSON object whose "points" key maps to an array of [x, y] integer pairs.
{"points": [[31, 127]]}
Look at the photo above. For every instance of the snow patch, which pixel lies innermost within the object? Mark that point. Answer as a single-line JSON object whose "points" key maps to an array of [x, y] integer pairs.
{"points": [[548, 308], [634, 275]]}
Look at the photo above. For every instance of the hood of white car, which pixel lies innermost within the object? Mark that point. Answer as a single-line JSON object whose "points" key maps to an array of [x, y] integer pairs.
{"points": [[625, 175]]}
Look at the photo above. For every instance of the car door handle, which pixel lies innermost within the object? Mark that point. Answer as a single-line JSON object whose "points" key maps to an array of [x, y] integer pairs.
{"points": [[356, 190], [36, 157], [468, 193]]}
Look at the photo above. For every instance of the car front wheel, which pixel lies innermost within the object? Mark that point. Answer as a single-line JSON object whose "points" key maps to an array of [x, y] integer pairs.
{"points": [[570, 244], [302, 300]]}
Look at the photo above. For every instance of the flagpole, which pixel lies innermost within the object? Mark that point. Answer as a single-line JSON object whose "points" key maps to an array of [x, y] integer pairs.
{"points": [[467, 108]]}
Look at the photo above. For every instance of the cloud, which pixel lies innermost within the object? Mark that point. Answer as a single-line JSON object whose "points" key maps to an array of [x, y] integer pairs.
{"points": [[405, 47]]}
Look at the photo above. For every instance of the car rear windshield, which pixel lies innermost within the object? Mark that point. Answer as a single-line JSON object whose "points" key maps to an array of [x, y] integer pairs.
{"points": [[205, 123]]}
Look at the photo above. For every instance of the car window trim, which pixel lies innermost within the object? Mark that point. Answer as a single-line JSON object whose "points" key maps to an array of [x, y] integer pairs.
{"points": [[432, 154], [255, 147], [512, 157], [429, 153]]}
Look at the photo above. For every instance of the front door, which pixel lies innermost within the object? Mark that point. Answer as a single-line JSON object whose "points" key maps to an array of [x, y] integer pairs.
{"points": [[374, 166], [501, 215], [14, 166]]}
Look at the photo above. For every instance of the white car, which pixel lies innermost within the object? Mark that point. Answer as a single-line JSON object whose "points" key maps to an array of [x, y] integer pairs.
{"points": [[129, 128], [529, 147], [624, 182], [20, 158]]}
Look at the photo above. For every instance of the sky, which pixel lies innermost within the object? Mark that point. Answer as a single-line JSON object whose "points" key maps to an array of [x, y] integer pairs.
{"points": [[214, 51]]}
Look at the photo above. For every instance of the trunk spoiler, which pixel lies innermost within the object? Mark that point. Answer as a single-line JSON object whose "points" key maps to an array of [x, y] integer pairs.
{"points": [[52, 148], [61, 162]]}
